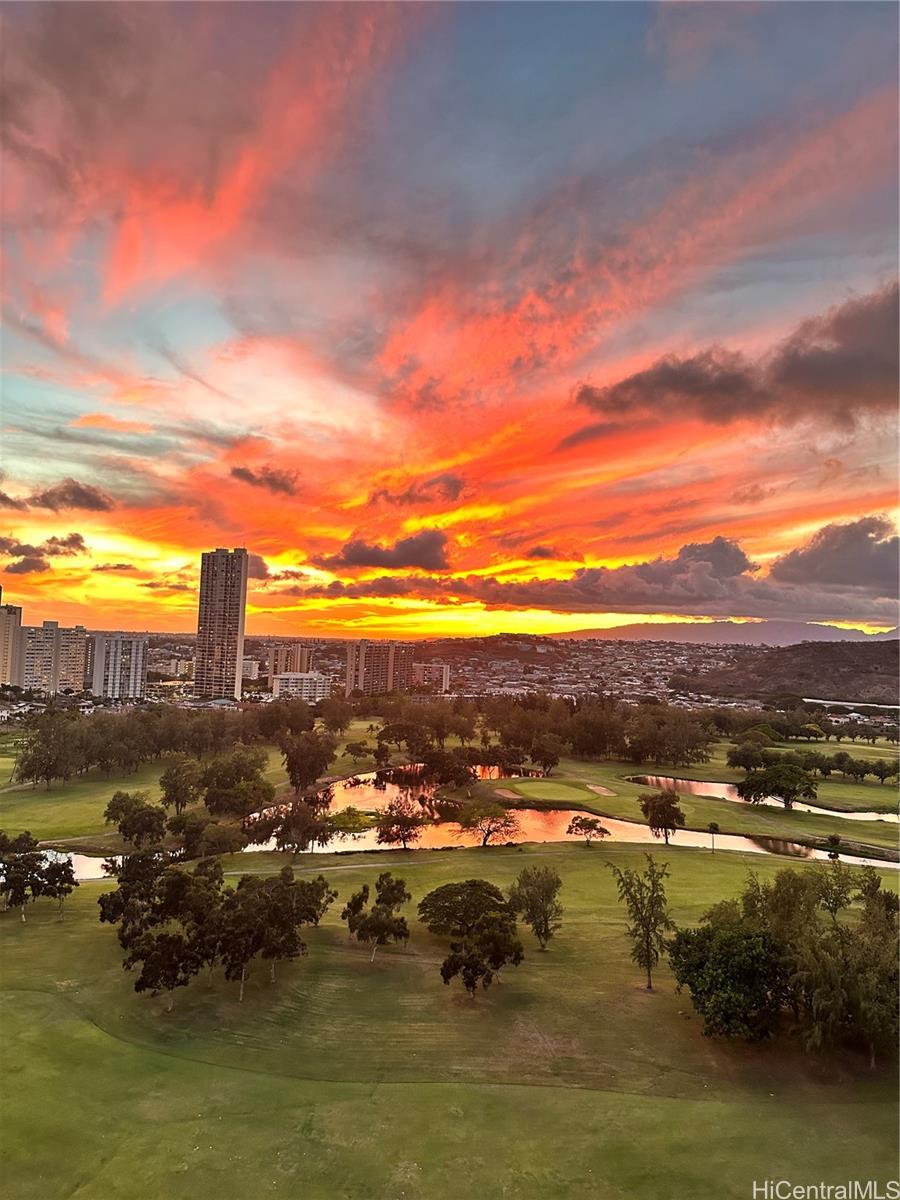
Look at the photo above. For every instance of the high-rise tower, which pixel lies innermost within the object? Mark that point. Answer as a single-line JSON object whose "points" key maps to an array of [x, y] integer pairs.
{"points": [[220, 625]]}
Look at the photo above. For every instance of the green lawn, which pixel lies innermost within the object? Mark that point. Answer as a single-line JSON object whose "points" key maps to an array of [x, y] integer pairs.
{"points": [[351, 1079], [75, 809]]}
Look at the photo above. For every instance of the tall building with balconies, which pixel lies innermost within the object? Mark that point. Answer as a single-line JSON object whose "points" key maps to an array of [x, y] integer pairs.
{"points": [[219, 657], [119, 666], [374, 668], [10, 639], [52, 659]]}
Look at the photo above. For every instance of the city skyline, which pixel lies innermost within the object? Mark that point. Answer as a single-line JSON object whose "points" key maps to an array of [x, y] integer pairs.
{"points": [[462, 319]]}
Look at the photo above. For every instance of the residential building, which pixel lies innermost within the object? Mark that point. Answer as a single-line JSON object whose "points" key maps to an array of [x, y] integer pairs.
{"points": [[374, 668], [52, 659], [250, 669], [219, 656], [120, 666], [434, 675], [289, 658], [310, 686], [10, 639]]}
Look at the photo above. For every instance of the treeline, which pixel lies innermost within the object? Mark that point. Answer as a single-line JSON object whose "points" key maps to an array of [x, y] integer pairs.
{"points": [[28, 873], [60, 745], [751, 757], [507, 731], [174, 923]]}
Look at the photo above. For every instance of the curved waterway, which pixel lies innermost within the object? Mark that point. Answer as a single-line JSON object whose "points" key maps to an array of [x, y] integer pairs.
{"points": [[727, 791], [373, 791]]}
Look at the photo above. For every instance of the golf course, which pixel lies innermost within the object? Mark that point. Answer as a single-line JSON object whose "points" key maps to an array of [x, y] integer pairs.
{"points": [[355, 1078], [371, 1079]]}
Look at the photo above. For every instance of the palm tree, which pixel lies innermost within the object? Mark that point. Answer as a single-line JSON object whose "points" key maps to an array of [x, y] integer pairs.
{"points": [[713, 828]]}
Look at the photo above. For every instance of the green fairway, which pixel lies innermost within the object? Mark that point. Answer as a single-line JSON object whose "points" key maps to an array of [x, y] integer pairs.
{"points": [[75, 809], [352, 1079]]}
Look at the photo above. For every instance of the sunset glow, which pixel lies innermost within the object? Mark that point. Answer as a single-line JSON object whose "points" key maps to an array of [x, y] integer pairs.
{"points": [[448, 352]]}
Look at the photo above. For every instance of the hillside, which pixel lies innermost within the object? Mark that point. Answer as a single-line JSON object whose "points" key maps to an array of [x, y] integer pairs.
{"points": [[751, 633], [858, 672]]}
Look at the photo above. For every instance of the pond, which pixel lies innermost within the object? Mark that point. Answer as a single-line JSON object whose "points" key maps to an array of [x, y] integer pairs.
{"points": [[373, 791], [727, 791]]}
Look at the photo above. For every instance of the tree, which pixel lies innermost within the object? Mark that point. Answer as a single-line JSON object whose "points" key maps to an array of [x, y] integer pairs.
{"points": [[588, 828], [301, 827], [835, 886], [747, 757], [644, 896], [357, 751], [311, 899], [663, 812], [453, 909], [336, 714], [735, 975], [381, 923], [490, 945], [355, 909], [546, 750], [883, 770], [784, 781], [534, 896], [22, 871], [306, 756], [181, 783], [488, 821], [59, 881], [168, 961], [241, 934], [712, 829], [138, 822], [401, 822]]}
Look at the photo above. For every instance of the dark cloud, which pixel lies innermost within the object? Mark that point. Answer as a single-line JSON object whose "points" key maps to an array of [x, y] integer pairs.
{"points": [[717, 384], [72, 494], [541, 552], [861, 553], [72, 543], [443, 487], [724, 557], [32, 559], [30, 565], [271, 478], [833, 367], [257, 567], [426, 550], [714, 578], [163, 585], [113, 567]]}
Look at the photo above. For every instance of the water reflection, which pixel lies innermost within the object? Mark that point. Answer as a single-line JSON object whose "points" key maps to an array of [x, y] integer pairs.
{"points": [[373, 791], [713, 790]]}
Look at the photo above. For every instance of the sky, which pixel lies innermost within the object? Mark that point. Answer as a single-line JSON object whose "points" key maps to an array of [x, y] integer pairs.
{"points": [[462, 319]]}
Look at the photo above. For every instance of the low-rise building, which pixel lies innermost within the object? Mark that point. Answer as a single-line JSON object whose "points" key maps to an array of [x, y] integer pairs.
{"points": [[310, 686]]}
